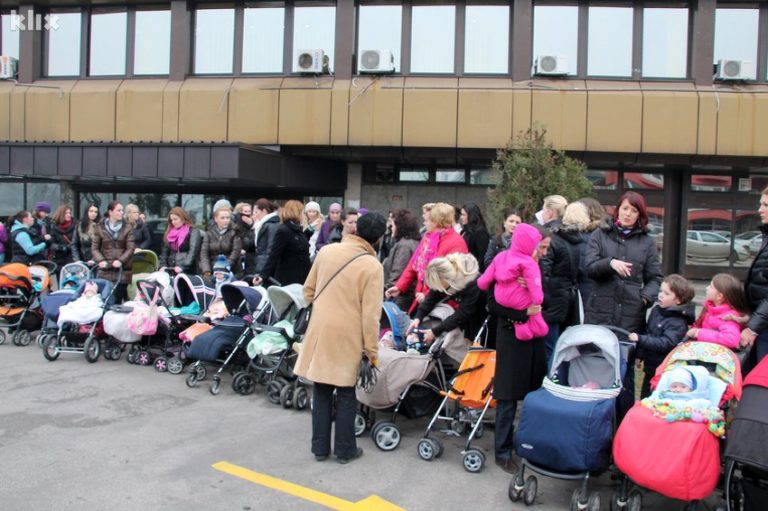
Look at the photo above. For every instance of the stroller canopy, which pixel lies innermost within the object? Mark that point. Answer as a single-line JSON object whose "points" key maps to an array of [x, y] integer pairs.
{"points": [[192, 288], [15, 276], [144, 261], [241, 300], [282, 298], [397, 320], [72, 274], [593, 354]]}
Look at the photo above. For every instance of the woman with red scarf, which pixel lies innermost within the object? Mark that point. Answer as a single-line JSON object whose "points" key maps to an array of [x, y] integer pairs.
{"points": [[440, 240], [181, 243], [62, 235]]}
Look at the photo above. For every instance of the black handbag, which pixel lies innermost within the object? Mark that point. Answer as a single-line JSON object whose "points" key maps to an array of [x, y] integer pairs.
{"points": [[305, 314]]}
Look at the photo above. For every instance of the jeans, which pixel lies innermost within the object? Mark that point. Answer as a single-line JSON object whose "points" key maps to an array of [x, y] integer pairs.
{"points": [[505, 429], [550, 340], [345, 445]]}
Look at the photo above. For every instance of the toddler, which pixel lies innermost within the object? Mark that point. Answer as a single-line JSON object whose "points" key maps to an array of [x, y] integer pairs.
{"points": [[507, 268], [719, 319]]}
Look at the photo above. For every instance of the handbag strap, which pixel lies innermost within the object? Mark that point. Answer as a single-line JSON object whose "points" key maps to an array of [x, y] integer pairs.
{"points": [[337, 272]]}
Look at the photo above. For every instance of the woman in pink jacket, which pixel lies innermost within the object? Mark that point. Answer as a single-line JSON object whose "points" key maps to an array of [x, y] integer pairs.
{"points": [[724, 311]]}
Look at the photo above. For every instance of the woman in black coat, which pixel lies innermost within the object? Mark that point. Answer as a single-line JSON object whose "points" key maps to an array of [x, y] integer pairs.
{"points": [[63, 228], [181, 243], [476, 236], [141, 235], [81, 245], [288, 261], [244, 228], [266, 224]]}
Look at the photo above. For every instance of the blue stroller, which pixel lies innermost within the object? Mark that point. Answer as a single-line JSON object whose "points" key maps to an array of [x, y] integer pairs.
{"points": [[71, 277]]}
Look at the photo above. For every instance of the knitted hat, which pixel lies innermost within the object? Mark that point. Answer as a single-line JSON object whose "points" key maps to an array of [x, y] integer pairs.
{"points": [[221, 264], [680, 375], [312, 206], [371, 227], [362, 211], [221, 203], [43, 206], [334, 208]]}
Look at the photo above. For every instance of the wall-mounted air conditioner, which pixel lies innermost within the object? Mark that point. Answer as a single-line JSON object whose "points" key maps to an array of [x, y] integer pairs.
{"points": [[310, 61], [551, 65], [8, 67], [728, 69], [375, 61]]}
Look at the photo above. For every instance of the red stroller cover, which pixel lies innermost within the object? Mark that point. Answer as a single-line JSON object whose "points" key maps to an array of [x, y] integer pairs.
{"points": [[680, 460]]}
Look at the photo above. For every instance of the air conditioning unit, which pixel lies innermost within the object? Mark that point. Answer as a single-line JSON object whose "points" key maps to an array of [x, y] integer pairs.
{"points": [[311, 61], [376, 61], [551, 65], [727, 69], [8, 67]]}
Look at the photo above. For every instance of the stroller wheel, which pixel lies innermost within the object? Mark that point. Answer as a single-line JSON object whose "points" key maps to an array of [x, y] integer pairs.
{"points": [[92, 349], [426, 450], [22, 338], [286, 396], [51, 348], [144, 358], [386, 435], [133, 356], [577, 501], [360, 424], [515, 491], [243, 383], [192, 380], [161, 364], [617, 504], [175, 365], [530, 489], [215, 385], [273, 392], [201, 371], [113, 352], [2, 336], [473, 460], [301, 398], [635, 501], [593, 504]]}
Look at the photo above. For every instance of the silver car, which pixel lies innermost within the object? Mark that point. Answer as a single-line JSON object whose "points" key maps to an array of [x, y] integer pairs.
{"points": [[710, 246]]}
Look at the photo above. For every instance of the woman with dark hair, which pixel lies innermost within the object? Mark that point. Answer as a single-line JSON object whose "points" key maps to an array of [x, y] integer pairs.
{"points": [[474, 231], [288, 261], [81, 245], [265, 226], [63, 228], [181, 243], [24, 249], [511, 218], [347, 224], [405, 233], [112, 248]]}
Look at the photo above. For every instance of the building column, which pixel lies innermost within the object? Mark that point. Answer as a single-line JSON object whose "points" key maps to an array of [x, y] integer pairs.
{"points": [[181, 40], [521, 40], [703, 42], [30, 47], [344, 58], [353, 193]]}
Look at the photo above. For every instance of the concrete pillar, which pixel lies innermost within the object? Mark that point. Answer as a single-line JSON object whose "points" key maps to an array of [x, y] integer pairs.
{"points": [[353, 193]]}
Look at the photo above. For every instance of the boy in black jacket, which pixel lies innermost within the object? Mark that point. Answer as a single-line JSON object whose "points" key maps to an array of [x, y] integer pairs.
{"points": [[667, 324]]}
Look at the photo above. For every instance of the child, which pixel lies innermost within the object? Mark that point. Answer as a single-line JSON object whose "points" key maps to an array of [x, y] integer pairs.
{"points": [[667, 324], [221, 273], [507, 267], [88, 308], [725, 301]]}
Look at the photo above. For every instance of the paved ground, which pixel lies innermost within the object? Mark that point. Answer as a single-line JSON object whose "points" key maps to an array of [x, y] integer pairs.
{"points": [[114, 436]]}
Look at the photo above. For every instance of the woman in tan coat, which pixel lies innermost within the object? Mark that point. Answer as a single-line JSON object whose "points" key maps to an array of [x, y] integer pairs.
{"points": [[344, 325]]}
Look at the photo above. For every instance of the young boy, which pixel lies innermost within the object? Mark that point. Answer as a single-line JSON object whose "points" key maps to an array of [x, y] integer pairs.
{"points": [[666, 328]]}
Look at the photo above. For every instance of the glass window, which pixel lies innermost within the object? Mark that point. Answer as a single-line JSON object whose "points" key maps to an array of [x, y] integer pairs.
{"points": [[753, 184], [263, 40], [665, 42], [64, 45], [48, 191], [214, 40], [656, 228], [10, 41], [432, 38], [609, 46], [555, 32], [747, 238], [414, 175], [603, 179], [643, 181], [736, 38], [152, 47], [108, 40], [481, 177], [199, 207], [100, 199], [486, 39], [708, 239], [314, 28], [711, 183], [450, 176], [384, 173], [11, 199], [380, 28]]}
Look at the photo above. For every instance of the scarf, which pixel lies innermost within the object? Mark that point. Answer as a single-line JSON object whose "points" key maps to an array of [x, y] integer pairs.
{"points": [[113, 230], [427, 251], [64, 226], [624, 231], [176, 237]]}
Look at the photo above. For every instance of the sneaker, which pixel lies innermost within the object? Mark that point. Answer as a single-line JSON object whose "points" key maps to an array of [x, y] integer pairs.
{"points": [[346, 459], [507, 465]]}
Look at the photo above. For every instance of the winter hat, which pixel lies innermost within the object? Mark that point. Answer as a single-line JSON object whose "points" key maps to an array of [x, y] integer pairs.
{"points": [[371, 227], [362, 211], [312, 206], [334, 208], [221, 203], [43, 206], [680, 375], [221, 265]]}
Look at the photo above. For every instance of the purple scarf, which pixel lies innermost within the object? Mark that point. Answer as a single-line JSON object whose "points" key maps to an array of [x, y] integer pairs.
{"points": [[177, 236]]}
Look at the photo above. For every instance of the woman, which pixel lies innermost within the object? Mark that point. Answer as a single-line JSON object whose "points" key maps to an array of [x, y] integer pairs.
{"points": [[552, 211], [474, 231], [597, 217], [347, 225], [265, 226], [3, 242], [244, 228], [181, 243], [220, 239], [288, 261], [141, 235], [405, 233], [334, 214], [512, 217], [313, 222], [81, 246], [756, 287], [439, 240], [23, 247], [112, 248], [63, 228]]}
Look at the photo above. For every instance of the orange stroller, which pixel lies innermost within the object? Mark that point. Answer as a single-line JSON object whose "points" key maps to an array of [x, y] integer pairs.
{"points": [[470, 395], [20, 290]]}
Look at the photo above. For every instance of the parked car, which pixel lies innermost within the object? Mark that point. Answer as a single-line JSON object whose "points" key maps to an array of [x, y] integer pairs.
{"points": [[748, 240], [710, 246]]}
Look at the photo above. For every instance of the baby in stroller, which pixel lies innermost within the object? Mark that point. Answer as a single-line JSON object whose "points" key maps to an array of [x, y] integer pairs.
{"points": [[85, 309]]}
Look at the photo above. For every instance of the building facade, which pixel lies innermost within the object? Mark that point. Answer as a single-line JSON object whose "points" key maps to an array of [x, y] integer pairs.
{"points": [[398, 103]]}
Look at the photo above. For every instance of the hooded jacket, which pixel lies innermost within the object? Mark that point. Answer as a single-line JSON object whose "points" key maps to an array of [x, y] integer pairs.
{"points": [[756, 286], [288, 261], [713, 328], [561, 274], [666, 329], [265, 230], [23, 248]]}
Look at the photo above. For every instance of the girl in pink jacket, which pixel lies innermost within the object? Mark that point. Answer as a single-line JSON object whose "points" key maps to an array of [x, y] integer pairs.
{"points": [[725, 305], [515, 262]]}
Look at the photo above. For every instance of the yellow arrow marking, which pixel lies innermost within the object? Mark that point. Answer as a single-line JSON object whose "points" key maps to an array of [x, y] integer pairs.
{"points": [[372, 503]]}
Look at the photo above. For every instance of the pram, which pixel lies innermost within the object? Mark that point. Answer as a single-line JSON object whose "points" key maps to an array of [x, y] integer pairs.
{"points": [[674, 449], [144, 263], [71, 276], [746, 456], [191, 289], [407, 383], [21, 287], [567, 426]]}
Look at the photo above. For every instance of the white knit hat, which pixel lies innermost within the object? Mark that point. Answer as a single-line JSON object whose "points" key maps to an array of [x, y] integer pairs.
{"points": [[312, 206]]}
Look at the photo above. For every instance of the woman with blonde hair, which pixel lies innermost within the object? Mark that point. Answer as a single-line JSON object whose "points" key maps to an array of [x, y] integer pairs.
{"points": [[439, 240], [220, 239], [244, 227], [288, 261], [552, 211], [141, 235], [312, 222]]}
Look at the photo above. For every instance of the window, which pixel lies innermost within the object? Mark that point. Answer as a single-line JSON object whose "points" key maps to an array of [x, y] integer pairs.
{"points": [[555, 32], [263, 40], [380, 28], [481, 177], [755, 183], [314, 28], [432, 38], [736, 38], [643, 181], [107, 44], [10, 42], [414, 175], [665, 42], [450, 176], [100, 199], [710, 183], [609, 46], [486, 39], [11, 199], [214, 40], [152, 47], [43, 191], [603, 179], [64, 45]]}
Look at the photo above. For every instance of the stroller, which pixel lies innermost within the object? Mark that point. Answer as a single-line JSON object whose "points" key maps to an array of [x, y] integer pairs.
{"points": [[225, 342], [191, 289], [746, 457], [144, 263], [407, 383], [674, 449], [71, 276], [580, 390], [21, 288]]}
